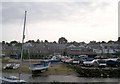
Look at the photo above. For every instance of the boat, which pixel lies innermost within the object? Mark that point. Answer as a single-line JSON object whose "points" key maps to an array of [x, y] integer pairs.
{"points": [[11, 66], [54, 59], [42, 66], [14, 79], [11, 79]]}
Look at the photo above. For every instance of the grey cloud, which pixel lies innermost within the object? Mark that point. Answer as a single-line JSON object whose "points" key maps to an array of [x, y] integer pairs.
{"points": [[44, 11]]}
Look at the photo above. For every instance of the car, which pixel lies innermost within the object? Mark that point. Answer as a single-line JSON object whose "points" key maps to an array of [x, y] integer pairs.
{"points": [[89, 62], [101, 63], [118, 62], [112, 63]]}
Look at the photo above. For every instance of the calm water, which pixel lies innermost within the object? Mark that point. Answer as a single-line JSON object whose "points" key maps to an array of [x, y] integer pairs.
{"points": [[61, 78]]}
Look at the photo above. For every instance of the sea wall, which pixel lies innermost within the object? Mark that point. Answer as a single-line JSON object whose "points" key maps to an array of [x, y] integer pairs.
{"points": [[96, 72]]}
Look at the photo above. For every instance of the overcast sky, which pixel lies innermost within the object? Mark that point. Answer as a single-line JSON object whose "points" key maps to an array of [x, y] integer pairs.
{"points": [[83, 20]]}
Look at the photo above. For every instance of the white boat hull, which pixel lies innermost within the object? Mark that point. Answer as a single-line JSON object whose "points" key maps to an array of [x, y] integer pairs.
{"points": [[11, 80]]}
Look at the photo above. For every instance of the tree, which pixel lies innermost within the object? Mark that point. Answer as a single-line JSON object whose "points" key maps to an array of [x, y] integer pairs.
{"points": [[103, 42], [62, 40], [46, 41], [7, 43], [19, 44], [110, 41], [98, 42], [92, 42], [13, 42], [54, 42], [31, 41], [41, 41], [82, 42], [3, 42], [25, 55], [38, 41]]}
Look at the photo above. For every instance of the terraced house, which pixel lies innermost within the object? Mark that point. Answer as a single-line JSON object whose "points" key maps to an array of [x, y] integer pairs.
{"points": [[37, 50]]}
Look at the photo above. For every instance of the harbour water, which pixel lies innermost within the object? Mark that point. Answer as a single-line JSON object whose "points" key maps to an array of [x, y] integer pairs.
{"points": [[61, 78]]}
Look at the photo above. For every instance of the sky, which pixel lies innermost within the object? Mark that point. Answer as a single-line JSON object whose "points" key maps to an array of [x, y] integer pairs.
{"points": [[78, 20]]}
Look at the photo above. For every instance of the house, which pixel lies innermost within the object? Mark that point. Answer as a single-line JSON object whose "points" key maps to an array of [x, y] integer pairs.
{"points": [[104, 48], [76, 50], [35, 50], [39, 50]]}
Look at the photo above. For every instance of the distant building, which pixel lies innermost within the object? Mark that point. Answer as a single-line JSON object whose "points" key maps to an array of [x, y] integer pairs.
{"points": [[73, 50], [37, 50], [104, 48], [11, 50]]}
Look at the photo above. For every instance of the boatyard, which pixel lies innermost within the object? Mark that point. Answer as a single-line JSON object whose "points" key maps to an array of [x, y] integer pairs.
{"points": [[64, 72], [67, 43], [54, 69], [66, 68]]}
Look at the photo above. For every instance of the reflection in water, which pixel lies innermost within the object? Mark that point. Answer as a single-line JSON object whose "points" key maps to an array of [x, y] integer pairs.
{"points": [[61, 78]]}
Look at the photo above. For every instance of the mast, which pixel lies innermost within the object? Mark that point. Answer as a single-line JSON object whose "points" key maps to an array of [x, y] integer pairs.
{"points": [[23, 35], [22, 43]]}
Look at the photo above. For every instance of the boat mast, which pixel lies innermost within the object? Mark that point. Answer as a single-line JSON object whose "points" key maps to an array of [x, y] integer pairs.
{"points": [[23, 35], [22, 43]]}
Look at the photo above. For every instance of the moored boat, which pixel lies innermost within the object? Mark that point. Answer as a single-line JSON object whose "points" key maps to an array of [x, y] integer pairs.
{"points": [[43, 65], [11, 66], [11, 79]]}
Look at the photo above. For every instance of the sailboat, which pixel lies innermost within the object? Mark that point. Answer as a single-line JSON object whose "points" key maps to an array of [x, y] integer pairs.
{"points": [[39, 67], [11, 79], [14, 79]]}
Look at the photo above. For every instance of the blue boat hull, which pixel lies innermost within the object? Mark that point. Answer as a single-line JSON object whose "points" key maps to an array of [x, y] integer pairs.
{"points": [[53, 61], [39, 66]]}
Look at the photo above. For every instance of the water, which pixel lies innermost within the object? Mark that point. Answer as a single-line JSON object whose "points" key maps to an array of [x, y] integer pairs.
{"points": [[61, 78]]}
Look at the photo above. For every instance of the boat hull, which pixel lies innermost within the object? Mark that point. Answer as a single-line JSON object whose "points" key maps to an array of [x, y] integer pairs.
{"points": [[39, 67], [11, 80]]}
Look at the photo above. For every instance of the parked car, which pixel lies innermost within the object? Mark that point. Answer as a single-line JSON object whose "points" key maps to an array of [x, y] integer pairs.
{"points": [[89, 62], [83, 57], [75, 61], [101, 63], [118, 62], [112, 63], [11, 66]]}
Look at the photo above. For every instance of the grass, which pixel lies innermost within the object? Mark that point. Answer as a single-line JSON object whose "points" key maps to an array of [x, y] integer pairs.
{"points": [[8, 59], [24, 69], [60, 69], [0, 59], [5, 59], [54, 69]]}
